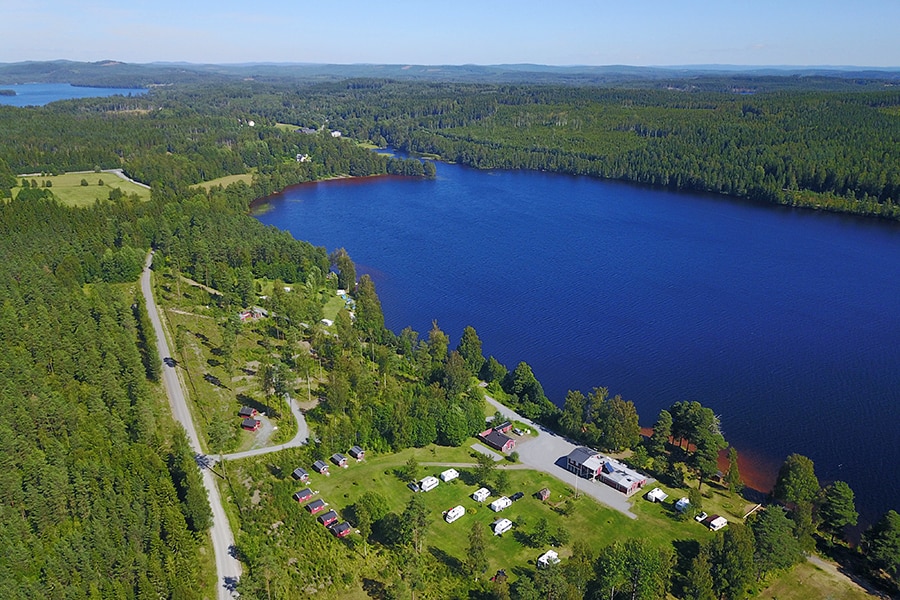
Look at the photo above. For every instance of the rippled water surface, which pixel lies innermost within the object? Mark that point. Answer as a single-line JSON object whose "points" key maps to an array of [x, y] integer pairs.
{"points": [[785, 322]]}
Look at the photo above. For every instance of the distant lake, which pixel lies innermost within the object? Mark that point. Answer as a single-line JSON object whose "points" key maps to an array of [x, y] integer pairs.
{"points": [[39, 94], [785, 322]]}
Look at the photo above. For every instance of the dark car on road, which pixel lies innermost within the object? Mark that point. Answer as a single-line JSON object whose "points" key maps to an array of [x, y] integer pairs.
{"points": [[414, 486]]}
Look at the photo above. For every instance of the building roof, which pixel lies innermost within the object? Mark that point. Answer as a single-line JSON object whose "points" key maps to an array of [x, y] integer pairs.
{"points": [[586, 458], [356, 451], [299, 473], [497, 439], [320, 465], [340, 529], [315, 505], [338, 457], [331, 515], [246, 411], [249, 423]]}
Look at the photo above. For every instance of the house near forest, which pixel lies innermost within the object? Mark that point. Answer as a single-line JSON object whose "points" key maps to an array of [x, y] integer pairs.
{"points": [[592, 465], [357, 453], [502, 427], [320, 467], [300, 474], [328, 518], [339, 459], [253, 314], [247, 412], [316, 506], [303, 495], [341, 529], [497, 440], [250, 424]]}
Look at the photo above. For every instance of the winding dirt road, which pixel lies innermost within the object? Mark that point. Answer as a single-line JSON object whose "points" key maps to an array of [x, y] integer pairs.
{"points": [[228, 568]]}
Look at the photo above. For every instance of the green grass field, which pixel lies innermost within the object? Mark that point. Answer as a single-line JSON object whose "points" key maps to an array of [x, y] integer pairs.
{"points": [[69, 190], [264, 478], [807, 581], [227, 180]]}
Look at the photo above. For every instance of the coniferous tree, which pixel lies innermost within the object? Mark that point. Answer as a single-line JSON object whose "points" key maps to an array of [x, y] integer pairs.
{"points": [[838, 509]]}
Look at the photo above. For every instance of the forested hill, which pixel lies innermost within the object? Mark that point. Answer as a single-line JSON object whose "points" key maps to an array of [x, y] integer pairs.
{"points": [[834, 150], [114, 73]]}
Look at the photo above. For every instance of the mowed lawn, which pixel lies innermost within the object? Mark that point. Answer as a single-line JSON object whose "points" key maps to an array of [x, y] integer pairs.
{"points": [[586, 520], [68, 188]]}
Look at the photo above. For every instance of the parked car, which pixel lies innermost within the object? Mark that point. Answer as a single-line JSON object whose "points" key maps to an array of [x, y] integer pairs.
{"points": [[517, 496], [414, 486], [699, 518]]}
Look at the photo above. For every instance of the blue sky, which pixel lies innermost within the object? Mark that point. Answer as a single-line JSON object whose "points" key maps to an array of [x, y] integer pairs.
{"points": [[575, 32]]}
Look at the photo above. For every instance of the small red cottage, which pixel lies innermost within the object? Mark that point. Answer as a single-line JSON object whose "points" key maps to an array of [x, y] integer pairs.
{"points": [[316, 506], [250, 424], [303, 495], [328, 518]]}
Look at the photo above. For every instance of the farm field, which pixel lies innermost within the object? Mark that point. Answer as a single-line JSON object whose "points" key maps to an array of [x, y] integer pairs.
{"points": [[70, 191]]}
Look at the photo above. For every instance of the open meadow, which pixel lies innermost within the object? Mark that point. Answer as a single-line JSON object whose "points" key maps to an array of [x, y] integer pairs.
{"points": [[71, 190]]}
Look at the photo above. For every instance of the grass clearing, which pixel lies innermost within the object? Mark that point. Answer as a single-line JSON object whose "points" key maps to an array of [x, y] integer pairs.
{"points": [[227, 180], [583, 518], [807, 581], [71, 192]]}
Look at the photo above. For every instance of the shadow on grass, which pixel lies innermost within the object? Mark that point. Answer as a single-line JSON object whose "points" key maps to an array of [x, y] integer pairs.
{"points": [[451, 562], [246, 400], [215, 381], [375, 589]]}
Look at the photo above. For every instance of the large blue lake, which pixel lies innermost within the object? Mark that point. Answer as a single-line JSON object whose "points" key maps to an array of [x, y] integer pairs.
{"points": [[39, 94], [786, 322]]}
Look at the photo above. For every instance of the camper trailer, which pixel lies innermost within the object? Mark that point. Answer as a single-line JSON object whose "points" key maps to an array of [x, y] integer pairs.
{"points": [[500, 503], [428, 484], [481, 494], [454, 513], [501, 526]]}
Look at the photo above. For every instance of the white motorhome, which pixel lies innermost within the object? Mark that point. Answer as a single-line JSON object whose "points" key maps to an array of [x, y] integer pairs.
{"points": [[449, 475], [550, 557], [454, 513], [500, 503], [481, 494], [428, 484], [501, 526]]}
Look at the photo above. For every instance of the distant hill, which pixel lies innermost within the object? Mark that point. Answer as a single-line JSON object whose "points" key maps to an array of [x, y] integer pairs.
{"points": [[111, 73]]}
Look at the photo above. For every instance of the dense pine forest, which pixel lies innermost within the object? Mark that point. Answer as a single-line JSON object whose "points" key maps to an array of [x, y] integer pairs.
{"points": [[101, 497]]}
